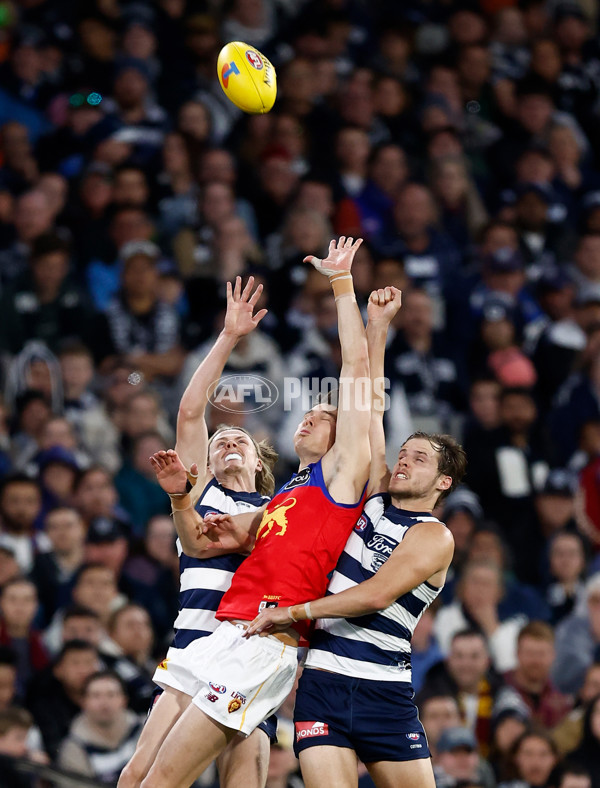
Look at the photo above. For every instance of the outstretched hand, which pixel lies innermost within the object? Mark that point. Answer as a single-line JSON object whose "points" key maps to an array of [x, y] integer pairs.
{"points": [[171, 473], [339, 258], [384, 305], [239, 318]]}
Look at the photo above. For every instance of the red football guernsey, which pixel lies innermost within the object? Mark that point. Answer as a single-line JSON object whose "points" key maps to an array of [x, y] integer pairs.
{"points": [[298, 542]]}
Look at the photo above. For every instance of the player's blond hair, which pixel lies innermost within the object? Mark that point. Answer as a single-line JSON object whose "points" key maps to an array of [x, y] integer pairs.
{"points": [[265, 480]]}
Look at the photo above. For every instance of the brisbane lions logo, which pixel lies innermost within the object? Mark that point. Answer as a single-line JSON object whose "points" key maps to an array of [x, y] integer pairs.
{"points": [[277, 517]]}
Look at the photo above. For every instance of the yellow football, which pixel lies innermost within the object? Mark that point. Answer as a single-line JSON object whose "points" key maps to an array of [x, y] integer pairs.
{"points": [[247, 77]]}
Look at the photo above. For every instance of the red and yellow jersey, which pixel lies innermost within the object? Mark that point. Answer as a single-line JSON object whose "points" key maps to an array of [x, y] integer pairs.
{"points": [[298, 542]]}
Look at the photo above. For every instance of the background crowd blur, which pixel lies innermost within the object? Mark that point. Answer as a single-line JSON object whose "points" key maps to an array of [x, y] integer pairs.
{"points": [[460, 139]]}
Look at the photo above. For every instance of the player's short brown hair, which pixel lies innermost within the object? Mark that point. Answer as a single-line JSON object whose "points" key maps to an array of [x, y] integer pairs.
{"points": [[452, 460]]}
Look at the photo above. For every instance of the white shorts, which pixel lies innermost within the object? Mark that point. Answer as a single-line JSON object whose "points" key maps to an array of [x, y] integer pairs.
{"points": [[176, 671], [241, 681]]}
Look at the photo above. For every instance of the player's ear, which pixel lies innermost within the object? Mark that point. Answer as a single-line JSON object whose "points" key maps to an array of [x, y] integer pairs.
{"points": [[259, 465], [445, 483]]}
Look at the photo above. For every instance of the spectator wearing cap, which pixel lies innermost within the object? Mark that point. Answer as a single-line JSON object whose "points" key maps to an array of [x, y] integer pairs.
{"points": [[20, 506], [554, 341], [54, 572], [141, 328], [555, 502], [543, 242], [530, 679], [497, 349], [578, 640], [463, 515], [18, 607], [107, 543], [139, 123], [457, 760]]}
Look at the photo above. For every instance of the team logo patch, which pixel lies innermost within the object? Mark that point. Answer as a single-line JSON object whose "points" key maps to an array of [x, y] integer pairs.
{"points": [[234, 705], [298, 480], [239, 696], [275, 518], [162, 665], [265, 604], [361, 524], [219, 688], [254, 59], [413, 736], [211, 697], [227, 70], [308, 730]]}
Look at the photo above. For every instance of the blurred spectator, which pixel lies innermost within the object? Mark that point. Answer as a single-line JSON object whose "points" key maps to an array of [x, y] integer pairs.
{"points": [[534, 756], [424, 651], [103, 737], [531, 676], [8, 677], [106, 543], [54, 571], [437, 713], [32, 217], [578, 640], [15, 724], [588, 752], [569, 733], [566, 590], [20, 506], [140, 327], [479, 592], [508, 724], [56, 694], [466, 674], [555, 503], [457, 759], [18, 606]]}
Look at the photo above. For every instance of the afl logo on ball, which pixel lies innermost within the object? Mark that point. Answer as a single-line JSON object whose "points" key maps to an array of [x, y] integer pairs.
{"points": [[254, 59]]}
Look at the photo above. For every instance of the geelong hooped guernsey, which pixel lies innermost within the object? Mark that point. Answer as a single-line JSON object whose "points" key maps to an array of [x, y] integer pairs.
{"points": [[374, 646], [298, 542], [203, 581]]}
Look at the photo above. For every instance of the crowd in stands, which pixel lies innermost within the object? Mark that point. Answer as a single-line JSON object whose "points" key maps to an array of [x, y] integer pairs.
{"points": [[461, 140]]}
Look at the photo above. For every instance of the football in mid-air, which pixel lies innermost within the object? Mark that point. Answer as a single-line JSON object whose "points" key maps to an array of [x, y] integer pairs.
{"points": [[247, 77]]}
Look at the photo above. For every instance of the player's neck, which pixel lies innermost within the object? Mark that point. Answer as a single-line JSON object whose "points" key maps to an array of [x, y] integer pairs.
{"points": [[237, 482], [307, 459], [413, 504]]}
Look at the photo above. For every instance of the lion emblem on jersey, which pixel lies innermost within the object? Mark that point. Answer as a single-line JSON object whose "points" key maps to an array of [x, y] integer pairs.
{"points": [[277, 517]]}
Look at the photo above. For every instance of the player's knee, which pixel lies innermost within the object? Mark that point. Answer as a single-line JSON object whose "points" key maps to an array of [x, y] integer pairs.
{"points": [[131, 776]]}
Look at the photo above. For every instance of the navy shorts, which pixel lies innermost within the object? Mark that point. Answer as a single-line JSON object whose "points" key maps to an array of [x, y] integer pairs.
{"points": [[269, 726], [376, 719]]}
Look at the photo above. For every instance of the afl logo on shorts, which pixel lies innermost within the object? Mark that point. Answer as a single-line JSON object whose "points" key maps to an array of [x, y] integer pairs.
{"points": [[361, 524], [254, 59], [217, 688], [413, 736]]}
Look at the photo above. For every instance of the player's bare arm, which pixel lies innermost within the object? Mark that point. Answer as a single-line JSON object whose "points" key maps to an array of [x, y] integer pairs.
{"points": [[192, 434], [424, 554], [346, 464], [382, 308], [197, 540]]}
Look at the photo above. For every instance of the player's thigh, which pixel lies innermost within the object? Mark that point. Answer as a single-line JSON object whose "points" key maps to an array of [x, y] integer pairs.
{"points": [[245, 761], [408, 774], [192, 743], [335, 767], [164, 714]]}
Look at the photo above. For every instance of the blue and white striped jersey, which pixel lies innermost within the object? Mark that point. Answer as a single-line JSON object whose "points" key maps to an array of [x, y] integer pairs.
{"points": [[374, 646], [203, 581]]}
